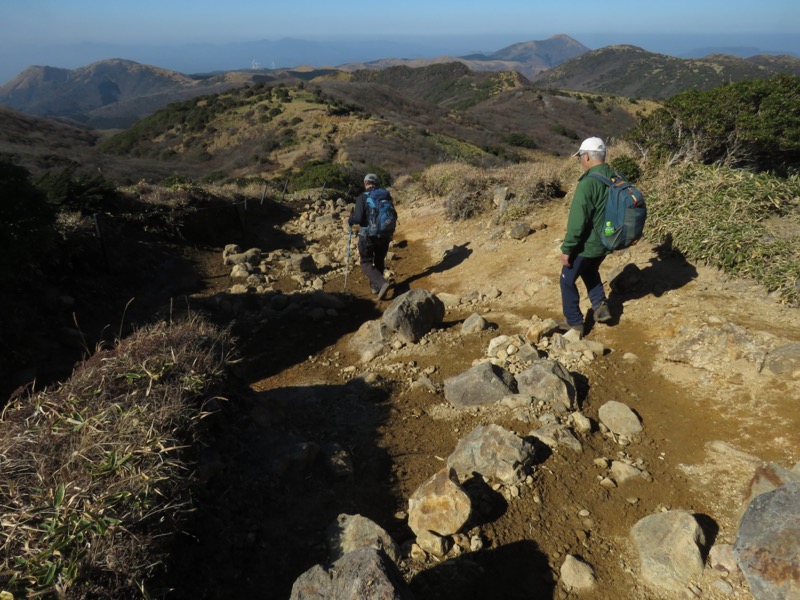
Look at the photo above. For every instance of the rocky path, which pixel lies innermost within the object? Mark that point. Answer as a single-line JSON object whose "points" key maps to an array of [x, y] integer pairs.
{"points": [[697, 357]]}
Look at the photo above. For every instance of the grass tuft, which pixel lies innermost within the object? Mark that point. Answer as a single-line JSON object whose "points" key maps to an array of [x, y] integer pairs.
{"points": [[96, 472]]}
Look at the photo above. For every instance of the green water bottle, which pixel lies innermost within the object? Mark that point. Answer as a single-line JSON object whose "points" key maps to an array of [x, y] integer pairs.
{"points": [[609, 230]]}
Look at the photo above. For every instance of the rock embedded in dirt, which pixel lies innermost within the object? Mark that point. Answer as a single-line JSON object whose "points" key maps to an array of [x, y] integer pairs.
{"points": [[669, 544], [484, 383], [475, 323], [439, 505], [413, 314], [548, 381], [619, 418], [576, 574], [494, 452]]}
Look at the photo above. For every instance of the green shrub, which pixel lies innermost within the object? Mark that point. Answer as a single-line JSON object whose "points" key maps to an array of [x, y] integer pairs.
{"points": [[82, 192], [334, 176], [754, 124], [521, 140], [27, 234], [627, 166]]}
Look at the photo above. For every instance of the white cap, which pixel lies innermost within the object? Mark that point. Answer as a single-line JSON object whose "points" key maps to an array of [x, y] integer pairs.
{"points": [[592, 144]]}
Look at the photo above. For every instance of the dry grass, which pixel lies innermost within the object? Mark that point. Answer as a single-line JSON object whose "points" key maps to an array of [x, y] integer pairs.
{"points": [[468, 191], [721, 217], [96, 472]]}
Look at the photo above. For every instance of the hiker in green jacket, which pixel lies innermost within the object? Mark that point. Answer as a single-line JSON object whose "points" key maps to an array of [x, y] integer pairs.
{"points": [[582, 252]]}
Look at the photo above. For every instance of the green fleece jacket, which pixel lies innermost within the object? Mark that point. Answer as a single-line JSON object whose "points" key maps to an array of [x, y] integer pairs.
{"points": [[586, 215]]}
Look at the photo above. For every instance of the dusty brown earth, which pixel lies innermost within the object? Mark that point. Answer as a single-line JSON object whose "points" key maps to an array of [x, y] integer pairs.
{"points": [[403, 437]]}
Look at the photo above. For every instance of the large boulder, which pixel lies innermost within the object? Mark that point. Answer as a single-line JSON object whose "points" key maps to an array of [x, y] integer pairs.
{"points": [[669, 549], [548, 381], [439, 505], [413, 314], [363, 573], [767, 545], [484, 383], [494, 452]]}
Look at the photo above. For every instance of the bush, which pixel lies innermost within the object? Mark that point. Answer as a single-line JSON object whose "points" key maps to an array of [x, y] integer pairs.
{"points": [[521, 140], [753, 124], [335, 176], [627, 166], [86, 193], [458, 207], [27, 234]]}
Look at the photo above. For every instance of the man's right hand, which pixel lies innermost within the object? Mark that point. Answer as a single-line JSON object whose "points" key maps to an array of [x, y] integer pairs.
{"points": [[566, 260]]}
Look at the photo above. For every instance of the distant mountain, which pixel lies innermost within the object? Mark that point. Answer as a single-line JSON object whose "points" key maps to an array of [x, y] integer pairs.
{"points": [[107, 94], [526, 58], [635, 73]]}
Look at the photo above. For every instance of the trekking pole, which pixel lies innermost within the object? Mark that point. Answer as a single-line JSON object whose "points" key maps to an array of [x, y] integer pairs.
{"points": [[347, 262]]}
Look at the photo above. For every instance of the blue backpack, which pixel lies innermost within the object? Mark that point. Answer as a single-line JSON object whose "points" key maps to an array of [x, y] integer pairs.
{"points": [[381, 215], [625, 212]]}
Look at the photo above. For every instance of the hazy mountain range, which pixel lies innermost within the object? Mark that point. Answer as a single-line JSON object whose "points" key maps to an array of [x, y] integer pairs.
{"points": [[115, 93]]}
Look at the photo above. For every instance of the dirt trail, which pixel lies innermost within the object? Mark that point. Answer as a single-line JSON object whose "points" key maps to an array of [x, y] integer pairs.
{"points": [[683, 408]]}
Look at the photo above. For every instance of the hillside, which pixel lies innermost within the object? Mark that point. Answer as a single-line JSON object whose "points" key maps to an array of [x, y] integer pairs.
{"points": [[400, 118], [635, 73], [107, 94]]}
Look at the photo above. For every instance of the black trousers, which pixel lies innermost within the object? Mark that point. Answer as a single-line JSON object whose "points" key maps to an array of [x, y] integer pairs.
{"points": [[372, 251]]}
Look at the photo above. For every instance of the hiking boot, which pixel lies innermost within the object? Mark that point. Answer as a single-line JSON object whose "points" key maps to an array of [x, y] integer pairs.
{"points": [[384, 288], [602, 314], [564, 326]]}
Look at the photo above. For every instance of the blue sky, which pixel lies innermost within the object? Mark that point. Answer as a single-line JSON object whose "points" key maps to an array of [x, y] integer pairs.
{"points": [[143, 21], [29, 29]]}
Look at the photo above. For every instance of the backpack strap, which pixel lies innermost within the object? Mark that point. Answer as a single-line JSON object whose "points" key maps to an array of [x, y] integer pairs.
{"points": [[602, 178], [610, 184]]}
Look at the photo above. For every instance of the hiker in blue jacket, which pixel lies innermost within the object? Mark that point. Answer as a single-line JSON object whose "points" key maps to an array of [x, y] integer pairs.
{"points": [[371, 249], [582, 252]]}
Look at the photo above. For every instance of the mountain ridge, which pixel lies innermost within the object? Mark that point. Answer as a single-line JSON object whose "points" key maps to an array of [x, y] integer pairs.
{"points": [[117, 92]]}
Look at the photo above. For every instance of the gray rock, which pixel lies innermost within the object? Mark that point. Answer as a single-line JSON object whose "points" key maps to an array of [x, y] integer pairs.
{"points": [[369, 341], [449, 300], [484, 383], [302, 262], [766, 478], [363, 573], [556, 434], [547, 380], [494, 452], [668, 545], [351, 532], [784, 360], [413, 314], [619, 418], [539, 329], [767, 545], [519, 231], [474, 324], [576, 574]]}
